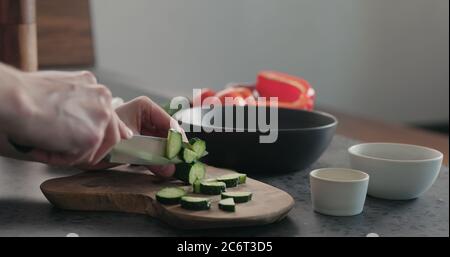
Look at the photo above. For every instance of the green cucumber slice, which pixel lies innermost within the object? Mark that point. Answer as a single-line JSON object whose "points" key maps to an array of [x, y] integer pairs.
{"points": [[242, 178], [190, 172], [227, 205], [198, 146], [239, 197], [231, 180], [196, 186], [170, 195], [174, 143], [212, 188], [195, 203], [189, 156], [209, 180]]}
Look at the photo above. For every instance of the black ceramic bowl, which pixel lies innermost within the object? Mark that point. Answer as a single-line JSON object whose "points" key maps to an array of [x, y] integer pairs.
{"points": [[302, 138]]}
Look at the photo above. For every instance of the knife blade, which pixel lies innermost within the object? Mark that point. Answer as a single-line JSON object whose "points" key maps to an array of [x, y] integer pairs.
{"points": [[141, 150]]}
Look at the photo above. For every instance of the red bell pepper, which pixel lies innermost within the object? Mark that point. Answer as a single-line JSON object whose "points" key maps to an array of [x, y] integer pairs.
{"points": [[292, 92], [240, 95], [204, 93]]}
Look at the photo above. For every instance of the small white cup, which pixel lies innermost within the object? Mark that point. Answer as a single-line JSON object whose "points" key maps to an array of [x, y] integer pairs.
{"points": [[397, 171], [338, 192]]}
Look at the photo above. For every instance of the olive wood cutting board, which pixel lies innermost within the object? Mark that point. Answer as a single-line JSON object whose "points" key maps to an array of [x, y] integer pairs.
{"points": [[132, 190]]}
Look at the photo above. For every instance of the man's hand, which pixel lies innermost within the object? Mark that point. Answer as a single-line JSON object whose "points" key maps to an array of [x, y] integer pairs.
{"points": [[66, 117], [145, 117]]}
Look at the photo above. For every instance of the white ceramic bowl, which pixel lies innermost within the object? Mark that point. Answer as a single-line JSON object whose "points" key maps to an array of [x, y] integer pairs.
{"points": [[397, 171], [338, 192]]}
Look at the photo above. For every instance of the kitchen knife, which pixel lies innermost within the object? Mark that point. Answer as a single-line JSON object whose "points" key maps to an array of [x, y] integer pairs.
{"points": [[141, 150], [138, 150]]}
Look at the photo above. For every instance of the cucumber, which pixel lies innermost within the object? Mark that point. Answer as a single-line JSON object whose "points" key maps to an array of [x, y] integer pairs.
{"points": [[231, 180], [198, 146], [212, 188], [189, 156], [209, 180], [170, 195], [190, 172], [239, 197], [174, 143], [227, 205], [188, 146], [242, 178], [196, 186], [195, 203]]}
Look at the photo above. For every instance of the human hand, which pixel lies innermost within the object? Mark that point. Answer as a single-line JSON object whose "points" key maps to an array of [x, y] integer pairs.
{"points": [[66, 117], [145, 117]]}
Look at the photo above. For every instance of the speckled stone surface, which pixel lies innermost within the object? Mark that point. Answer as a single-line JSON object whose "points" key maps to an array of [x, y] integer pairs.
{"points": [[25, 212]]}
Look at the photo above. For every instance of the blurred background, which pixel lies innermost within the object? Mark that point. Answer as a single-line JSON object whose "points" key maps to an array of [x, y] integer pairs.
{"points": [[383, 59]]}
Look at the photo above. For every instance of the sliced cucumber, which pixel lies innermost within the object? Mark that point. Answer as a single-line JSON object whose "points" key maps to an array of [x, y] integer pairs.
{"points": [[190, 172], [195, 203], [227, 205], [231, 180], [212, 188], [187, 145], [242, 178], [189, 156], [174, 143], [196, 186], [239, 197], [209, 180], [198, 146], [170, 195]]}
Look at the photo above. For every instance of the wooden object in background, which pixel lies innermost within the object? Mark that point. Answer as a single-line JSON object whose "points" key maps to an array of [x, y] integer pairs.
{"points": [[64, 33], [18, 34], [135, 193]]}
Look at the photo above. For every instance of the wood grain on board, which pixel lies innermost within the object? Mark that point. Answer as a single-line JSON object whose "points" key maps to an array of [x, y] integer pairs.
{"points": [[134, 192]]}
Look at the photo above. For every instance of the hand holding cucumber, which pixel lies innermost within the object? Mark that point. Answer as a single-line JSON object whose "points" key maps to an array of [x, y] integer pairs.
{"points": [[145, 117], [190, 170]]}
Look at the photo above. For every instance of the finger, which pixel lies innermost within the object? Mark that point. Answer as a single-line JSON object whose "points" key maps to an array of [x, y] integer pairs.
{"points": [[54, 158], [175, 125], [125, 131], [112, 137], [39, 156], [84, 77], [88, 149], [166, 171], [50, 158], [94, 150], [158, 117], [103, 94], [117, 102], [105, 116], [162, 121], [87, 77]]}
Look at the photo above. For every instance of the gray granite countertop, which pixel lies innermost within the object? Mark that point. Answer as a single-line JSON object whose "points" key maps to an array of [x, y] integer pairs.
{"points": [[24, 211]]}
